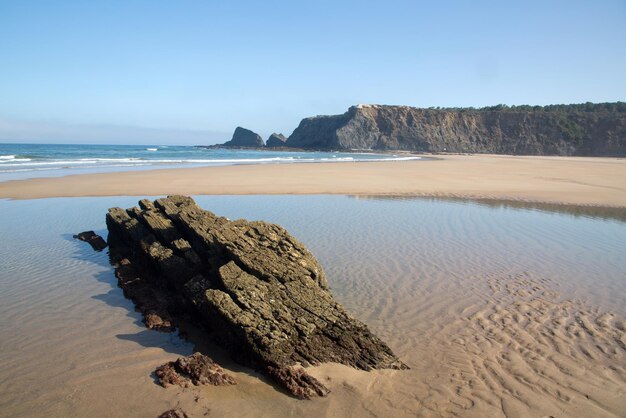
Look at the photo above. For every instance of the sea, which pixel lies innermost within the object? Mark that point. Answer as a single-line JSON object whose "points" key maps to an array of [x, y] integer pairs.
{"points": [[21, 161]]}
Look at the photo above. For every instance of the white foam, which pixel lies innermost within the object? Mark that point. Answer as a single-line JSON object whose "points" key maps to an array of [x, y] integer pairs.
{"points": [[109, 159], [8, 163]]}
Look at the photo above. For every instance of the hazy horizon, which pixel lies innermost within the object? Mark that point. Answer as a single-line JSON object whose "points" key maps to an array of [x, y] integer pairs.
{"points": [[155, 73], [62, 134]]}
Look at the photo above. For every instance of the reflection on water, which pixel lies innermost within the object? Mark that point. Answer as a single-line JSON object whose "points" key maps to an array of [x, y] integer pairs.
{"points": [[601, 212], [416, 270]]}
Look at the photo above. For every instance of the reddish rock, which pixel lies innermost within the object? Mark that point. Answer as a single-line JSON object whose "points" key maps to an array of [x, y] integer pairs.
{"points": [[196, 369]]}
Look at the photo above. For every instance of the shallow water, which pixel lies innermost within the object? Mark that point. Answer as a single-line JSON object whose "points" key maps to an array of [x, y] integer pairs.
{"points": [[497, 309]]}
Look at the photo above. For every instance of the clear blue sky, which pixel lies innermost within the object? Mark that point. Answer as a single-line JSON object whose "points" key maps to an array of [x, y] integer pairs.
{"points": [[182, 71]]}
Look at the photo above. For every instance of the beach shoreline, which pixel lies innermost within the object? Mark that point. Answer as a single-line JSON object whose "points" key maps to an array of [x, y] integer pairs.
{"points": [[587, 181]]}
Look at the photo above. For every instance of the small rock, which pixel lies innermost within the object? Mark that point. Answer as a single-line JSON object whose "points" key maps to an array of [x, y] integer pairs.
{"points": [[93, 239], [196, 369], [174, 413], [154, 321]]}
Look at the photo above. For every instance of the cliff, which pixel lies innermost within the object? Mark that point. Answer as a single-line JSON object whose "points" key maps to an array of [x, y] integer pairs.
{"points": [[586, 129]]}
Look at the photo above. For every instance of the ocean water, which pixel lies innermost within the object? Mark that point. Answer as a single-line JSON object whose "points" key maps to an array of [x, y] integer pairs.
{"points": [[497, 309], [19, 161]]}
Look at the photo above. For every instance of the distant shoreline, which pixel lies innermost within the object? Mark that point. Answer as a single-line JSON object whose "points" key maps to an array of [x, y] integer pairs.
{"points": [[565, 180]]}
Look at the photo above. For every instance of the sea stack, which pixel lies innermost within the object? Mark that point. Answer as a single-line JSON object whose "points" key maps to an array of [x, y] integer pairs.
{"points": [[276, 140], [245, 138]]}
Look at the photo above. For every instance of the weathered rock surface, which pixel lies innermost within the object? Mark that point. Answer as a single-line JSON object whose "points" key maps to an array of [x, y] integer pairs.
{"points": [[93, 239], [196, 369], [153, 302], [243, 137], [588, 129], [276, 140], [259, 291]]}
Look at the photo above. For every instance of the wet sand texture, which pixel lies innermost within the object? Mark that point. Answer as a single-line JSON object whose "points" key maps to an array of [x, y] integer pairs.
{"points": [[498, 311]]}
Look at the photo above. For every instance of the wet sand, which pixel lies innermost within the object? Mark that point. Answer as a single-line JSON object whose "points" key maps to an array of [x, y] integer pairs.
{"points": [[572, 180], [498, 310]]}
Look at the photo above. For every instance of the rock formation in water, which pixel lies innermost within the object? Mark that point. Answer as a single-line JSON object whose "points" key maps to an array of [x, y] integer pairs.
{"points": [[93, 239], [587, 129], [259, 291], [244, 138], [276, 140]]}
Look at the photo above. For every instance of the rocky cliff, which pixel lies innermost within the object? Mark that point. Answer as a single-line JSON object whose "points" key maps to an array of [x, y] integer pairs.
{"points": [[586, 129], [243, 137]]}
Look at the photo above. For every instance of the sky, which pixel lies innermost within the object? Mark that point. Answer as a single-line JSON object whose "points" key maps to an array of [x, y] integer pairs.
{"points": [[189, 72]]}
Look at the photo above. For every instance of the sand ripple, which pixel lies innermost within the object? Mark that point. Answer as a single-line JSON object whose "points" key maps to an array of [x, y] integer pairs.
{"points": [[505, 345], [499, 312], [525, 351]]}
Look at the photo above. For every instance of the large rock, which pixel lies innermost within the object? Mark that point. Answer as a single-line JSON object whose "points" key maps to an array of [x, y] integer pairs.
{"points": [[263, 295], [243, 137], [587, 129], [276, 140]]}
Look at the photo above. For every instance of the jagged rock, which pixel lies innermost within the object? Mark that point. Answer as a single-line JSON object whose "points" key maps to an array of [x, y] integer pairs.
{"points": [[276, 140], [174, 413], [593, 129], [151, 301], [260, 292], [243, 137], [93, 239], [196, 369]]}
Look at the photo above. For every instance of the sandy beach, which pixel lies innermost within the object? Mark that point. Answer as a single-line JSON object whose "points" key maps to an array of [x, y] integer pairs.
{"points": [[511, 309], [499, 311], [572, 180]]}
